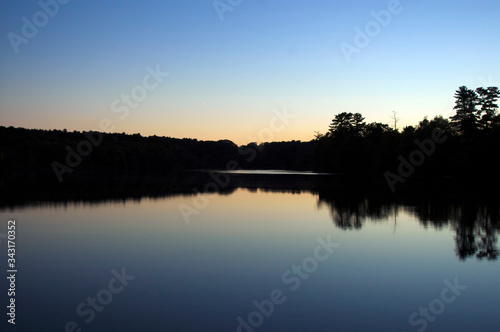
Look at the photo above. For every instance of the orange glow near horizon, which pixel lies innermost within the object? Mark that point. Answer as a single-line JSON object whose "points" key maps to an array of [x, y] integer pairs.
{"points": [[240, 129]]}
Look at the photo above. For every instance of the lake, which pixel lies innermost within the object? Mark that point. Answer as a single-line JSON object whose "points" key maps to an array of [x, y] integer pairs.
{"points": [[253, 252]]}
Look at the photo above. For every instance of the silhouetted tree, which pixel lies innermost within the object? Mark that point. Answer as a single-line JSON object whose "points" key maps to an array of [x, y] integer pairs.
{"points": [[465, 121], [487, 99], [347, 124], [426, 126], [395, 118], [376, 130]]}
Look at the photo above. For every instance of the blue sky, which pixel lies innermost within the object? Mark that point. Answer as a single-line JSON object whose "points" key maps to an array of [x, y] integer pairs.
{"points": [[226, 77]]}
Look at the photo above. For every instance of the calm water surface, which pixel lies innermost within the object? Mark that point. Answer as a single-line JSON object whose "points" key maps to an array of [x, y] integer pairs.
{"points": [[208, 262]]}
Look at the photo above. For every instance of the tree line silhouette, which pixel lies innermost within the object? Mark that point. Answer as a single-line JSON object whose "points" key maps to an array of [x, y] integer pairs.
{"points": [[471, 147], [349, 146]]}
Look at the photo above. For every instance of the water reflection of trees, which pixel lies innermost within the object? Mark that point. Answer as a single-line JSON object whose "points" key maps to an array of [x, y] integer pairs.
{"points": [[351, 215], [476, 232], [352, 202], [476, 225]]}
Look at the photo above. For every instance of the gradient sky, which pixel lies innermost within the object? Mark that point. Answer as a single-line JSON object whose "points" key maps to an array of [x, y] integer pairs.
{"points": [[226, 77]]}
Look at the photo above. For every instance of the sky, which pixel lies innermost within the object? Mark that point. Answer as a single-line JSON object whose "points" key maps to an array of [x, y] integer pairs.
{"points": [[243, 70]]}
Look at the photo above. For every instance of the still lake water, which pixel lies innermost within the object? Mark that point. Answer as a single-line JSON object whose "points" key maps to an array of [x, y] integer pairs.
{"points": [[329, 262]]}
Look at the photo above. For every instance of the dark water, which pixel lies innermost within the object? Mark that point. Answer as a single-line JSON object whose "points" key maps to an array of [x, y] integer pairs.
{"points": [[280, 252]]}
